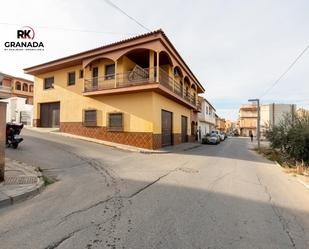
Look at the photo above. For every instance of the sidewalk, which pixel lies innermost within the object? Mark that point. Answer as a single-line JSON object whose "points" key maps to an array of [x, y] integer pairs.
{"points": [[169, 149], [302, 179], [21, 182]]}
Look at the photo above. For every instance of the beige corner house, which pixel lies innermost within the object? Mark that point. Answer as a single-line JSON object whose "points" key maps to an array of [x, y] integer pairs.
{"points": [[137, 91]]}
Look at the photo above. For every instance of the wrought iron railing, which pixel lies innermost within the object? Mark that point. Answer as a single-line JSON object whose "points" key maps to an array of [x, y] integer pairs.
{"points": [[138, 76]]}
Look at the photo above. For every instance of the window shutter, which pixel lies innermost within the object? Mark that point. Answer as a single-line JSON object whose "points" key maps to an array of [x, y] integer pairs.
{"points": [[115, 122], [90, 117]]}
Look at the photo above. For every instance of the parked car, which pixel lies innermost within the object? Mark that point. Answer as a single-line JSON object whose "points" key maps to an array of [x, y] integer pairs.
{"points": [[220, 134], [224, 134], [211, 138], [222, 137]]}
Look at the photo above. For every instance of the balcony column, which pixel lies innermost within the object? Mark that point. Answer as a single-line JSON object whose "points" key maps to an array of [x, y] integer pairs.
{"points": [[173, 77], [115, 77], [158, 66], [151, 66]]}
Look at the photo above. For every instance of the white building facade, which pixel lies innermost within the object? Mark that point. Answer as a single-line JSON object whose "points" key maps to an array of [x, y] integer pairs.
{"points": [[18, 111], [206, 119], [272, 114]]}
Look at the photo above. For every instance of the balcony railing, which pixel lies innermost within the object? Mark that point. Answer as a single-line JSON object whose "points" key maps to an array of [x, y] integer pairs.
{"points": [[137, 77], [5, 89]]}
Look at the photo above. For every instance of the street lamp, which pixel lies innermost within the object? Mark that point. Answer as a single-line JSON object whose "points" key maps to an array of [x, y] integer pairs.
{"points": [[258, 120]]}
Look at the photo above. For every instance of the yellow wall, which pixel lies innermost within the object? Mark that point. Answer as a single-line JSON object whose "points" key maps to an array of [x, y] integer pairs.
{"points": [[142, 111], [160, 102]]}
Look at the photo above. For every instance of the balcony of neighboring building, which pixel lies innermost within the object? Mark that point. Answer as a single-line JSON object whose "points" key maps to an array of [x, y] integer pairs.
{"points": [[5, 89], [22, 89], [248, 107], [140, 70]]}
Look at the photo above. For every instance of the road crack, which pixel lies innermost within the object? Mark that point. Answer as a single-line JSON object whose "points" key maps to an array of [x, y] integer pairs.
{"points": [[63, 239], [284, 223], [116, 197]]}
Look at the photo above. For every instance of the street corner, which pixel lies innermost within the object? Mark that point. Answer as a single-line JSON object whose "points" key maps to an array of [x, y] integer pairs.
{"points": [[21, 182]]}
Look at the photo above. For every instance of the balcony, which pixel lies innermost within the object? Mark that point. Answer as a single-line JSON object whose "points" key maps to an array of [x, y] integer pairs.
{"points": [[5, 89], [139, 79]]}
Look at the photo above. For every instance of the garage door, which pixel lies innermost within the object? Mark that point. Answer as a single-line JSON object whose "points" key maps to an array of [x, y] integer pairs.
{"points": [[50, 114], [184, 128], [167, 128]]}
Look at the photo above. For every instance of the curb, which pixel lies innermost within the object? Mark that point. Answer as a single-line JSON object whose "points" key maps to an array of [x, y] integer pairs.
{"points": [[306, 185], [10, 200], [303, 183], [119, 147], [106, 143]]}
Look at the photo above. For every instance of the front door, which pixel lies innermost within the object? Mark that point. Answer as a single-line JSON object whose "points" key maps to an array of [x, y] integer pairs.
{"points": [[184, 128], [50, 114], [95, 74], [167, 128]]}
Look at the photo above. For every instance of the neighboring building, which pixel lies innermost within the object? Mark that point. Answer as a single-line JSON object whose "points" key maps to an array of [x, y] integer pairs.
{"points": [[18, 111], [247, 119], [230, 126], [272, 114], [206, 118], [138, 91], [11, 86], [220, 123]]}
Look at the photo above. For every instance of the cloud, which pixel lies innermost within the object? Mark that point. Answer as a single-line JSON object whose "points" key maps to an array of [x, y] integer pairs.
{"points": [[237, 48]]}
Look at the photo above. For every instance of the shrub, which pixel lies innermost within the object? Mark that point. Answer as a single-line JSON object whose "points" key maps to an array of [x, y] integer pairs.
{"points": [[291, 136]]}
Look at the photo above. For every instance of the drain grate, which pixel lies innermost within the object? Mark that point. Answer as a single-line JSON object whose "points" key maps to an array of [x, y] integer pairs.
{"points": [[15, 180]]}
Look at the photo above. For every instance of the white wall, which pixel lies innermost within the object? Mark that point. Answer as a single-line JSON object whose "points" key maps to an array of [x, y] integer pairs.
{"points": [[207, 113], [272, 114], [17, 106]]}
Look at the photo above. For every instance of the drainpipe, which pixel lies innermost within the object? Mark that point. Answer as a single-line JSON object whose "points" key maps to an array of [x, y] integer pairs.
{"points": [[2, 138]]}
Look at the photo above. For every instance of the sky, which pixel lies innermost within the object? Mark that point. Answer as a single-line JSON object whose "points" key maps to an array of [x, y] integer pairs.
{"points": [[236, 48]]}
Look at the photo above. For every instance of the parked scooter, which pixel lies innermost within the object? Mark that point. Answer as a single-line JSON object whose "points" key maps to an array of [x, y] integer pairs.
{"points": [[13, 137]]}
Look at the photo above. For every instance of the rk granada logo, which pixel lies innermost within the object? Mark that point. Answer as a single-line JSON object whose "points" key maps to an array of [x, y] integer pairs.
{"points": [[26, 33], [25, 41]]}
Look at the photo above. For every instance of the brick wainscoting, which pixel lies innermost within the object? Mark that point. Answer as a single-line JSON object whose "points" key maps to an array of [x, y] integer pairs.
{"points": [[177, 138], [145, 140]]}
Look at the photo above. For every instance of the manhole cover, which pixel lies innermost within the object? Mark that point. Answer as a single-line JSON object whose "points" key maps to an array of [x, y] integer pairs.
{"points": [[12, 180], [188, 170]]}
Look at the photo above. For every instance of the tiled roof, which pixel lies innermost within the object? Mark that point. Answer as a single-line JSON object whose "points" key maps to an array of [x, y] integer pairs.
{"points": [[159, 31], [11, 76], [102, 47]]}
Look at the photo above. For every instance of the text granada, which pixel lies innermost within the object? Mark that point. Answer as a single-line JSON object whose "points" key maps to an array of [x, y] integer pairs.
{"points": [[24, 44]]}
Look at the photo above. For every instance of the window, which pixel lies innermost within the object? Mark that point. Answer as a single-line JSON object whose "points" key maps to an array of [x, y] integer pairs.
{"points": [[90, 118], [18, 86], [31, 88], [0, 82], [71, 78], [115, 121], [25, 87], [81, 74], [49, 83], [110, 72]]}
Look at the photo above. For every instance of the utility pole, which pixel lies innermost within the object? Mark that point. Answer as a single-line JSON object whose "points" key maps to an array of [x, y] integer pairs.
{"points": [[258, 121]]}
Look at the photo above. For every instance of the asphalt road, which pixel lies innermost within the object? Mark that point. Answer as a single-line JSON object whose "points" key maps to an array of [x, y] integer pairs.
{"points": [[213, 197]]}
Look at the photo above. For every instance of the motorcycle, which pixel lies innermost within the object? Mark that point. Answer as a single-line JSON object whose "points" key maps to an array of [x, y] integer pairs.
{"points": [[13, 137]]}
